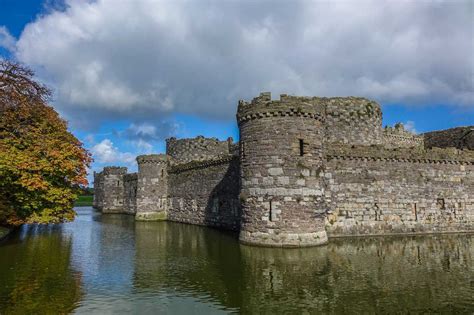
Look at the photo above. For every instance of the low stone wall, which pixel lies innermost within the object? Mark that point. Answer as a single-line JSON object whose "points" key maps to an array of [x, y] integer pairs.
{"points": [[372, 190], [206, 193]]}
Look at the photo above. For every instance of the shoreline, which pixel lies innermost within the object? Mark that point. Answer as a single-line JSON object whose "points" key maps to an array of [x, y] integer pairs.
{"points": [[4, 232]]}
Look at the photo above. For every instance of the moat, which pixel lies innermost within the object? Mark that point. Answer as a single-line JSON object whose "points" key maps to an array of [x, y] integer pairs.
{"points": [[114, 264]]}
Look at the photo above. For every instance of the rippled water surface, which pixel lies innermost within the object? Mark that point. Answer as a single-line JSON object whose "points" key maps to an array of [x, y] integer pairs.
{"points": [[111, 264]]}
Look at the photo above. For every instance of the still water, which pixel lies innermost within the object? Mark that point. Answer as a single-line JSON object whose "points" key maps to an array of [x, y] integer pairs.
{"points": [[111, 264]]}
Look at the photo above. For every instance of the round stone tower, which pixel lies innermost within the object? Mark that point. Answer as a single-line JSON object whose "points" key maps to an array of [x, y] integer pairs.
{"points": [[152, 187], [281, 153]]}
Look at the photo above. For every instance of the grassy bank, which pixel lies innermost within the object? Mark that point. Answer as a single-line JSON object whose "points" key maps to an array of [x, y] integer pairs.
{"points": [[84, 201]]}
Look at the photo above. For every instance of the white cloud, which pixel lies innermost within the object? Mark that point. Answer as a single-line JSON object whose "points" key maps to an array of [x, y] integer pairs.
{"points": [[410, 126], [7, 41], [106, 152], [138, 58]]}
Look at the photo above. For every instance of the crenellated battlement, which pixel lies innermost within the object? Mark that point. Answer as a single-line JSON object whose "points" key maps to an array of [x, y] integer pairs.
{"points": [[287, 106], [398, 137], [114, 170], [152, 159], [196, 149], [305, 169]]}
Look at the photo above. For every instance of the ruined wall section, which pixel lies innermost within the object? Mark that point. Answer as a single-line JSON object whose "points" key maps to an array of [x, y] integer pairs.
{"points": [[281, 156], [206, 193], [352, 120], [379, 191], [461, 138], [152, 187], [399, 137], [196, 149], [99, 193], [130, 193], [111, 189]]}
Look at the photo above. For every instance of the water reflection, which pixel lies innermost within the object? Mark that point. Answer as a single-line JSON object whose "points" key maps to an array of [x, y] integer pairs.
{"points": [[114, 264], [35, 273]]}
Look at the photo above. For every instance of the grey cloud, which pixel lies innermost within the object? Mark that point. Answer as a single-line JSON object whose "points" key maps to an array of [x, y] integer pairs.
{"points": [[115, 59]]}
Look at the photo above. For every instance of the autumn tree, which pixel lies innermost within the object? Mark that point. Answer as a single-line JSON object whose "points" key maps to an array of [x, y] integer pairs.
{"points": [[41, 162]]}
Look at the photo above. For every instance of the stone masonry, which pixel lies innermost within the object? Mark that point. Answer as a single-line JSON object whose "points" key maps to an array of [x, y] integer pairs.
{"points": [[305, 169]]}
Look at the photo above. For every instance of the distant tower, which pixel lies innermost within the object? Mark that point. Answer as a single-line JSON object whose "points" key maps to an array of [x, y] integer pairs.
{"points": [[152, 187], [113, 190], [281, 155]]}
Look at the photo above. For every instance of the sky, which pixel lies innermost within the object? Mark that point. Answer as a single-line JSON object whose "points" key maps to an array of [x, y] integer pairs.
{"points": [[127, 74]]}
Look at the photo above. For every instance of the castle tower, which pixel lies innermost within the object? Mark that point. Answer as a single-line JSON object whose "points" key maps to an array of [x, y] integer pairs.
{"points": [[281, 155], [152, 187], [111, 198]]}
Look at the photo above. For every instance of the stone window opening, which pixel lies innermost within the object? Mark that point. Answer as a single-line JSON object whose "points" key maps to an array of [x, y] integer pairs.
{"points": [[416, 211], [118, 183], [162, 173], [441, 204], [270, 210], [301, 142]]}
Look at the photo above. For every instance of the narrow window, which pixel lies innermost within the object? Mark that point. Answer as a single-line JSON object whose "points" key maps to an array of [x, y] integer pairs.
{"points": [[440, 203], [118, 183], [301, 147], [162, 173], [270, 214], [416, 212]]}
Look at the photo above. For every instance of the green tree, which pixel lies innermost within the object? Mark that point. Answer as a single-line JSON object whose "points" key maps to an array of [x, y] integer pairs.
{"points": [[41, 162]]}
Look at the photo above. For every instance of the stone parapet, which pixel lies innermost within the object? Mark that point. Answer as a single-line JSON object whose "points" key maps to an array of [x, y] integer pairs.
{"points": [[114, 170], [399, 137], [419, 155], [287, 106], [195, 149]]}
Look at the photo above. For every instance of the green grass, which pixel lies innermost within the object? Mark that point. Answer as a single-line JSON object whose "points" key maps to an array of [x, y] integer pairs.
{"points": [[84, 201]]}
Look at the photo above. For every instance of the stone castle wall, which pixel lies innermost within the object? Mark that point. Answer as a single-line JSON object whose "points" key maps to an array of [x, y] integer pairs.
{"points": [[353, 120], [110, 190], [152, 187], [196, 149], [281, 153], [379, 191], [206, 193], [305, 168], [130, 193], [398, 137]]}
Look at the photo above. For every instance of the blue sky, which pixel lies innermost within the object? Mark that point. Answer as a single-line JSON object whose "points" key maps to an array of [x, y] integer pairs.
{"points": [[127, 74]]}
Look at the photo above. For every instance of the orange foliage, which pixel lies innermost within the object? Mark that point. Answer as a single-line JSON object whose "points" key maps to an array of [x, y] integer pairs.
{"points": [[41, 162]]}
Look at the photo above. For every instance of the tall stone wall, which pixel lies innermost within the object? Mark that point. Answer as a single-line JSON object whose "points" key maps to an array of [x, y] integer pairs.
{"points": [[206, 193], [304, 168], [99, 192], [353, 120], [281, 156], [152, 187], [130, 193], [372, 190], [461, 138], [196, 149], [113, 197]]}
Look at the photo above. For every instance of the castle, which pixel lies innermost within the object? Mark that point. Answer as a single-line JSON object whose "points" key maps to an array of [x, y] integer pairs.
{"points": [[305, 169]]}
